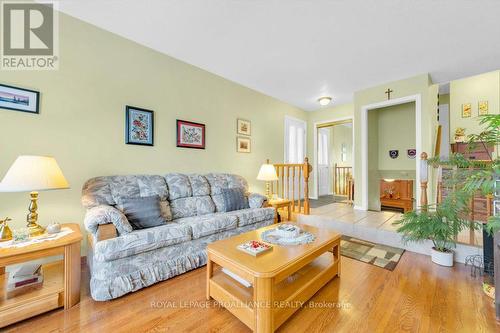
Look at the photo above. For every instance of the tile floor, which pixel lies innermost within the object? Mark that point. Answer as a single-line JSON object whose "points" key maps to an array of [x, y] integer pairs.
{"points": [[375, 220]]}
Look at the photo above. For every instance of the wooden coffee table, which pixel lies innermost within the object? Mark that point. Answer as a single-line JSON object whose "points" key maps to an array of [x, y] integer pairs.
{"points": [[280, 278]]}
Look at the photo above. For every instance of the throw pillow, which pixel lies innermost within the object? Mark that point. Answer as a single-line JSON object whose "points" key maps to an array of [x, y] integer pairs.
{"points": [[144, 212], [234, 199]]}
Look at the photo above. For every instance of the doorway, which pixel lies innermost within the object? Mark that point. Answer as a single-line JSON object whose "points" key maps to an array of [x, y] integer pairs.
{"points": [[370, 177], [334, 162]]}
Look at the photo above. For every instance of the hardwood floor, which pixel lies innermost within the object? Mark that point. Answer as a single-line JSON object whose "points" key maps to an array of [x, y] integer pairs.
{"points": [[417, 296]]}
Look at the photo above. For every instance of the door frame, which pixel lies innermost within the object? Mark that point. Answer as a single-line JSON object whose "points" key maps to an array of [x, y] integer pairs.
{"points": [[316, 126], [364, 142]]}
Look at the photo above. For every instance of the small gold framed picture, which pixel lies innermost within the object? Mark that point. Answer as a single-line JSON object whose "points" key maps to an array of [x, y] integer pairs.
{"points": [[244, 127], [244, 145], [482, 107], [466, 110]]}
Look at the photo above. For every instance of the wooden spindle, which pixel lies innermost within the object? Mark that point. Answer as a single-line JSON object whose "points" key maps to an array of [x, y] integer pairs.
{"points": [[288, 182], [300, 197], [306, 186], [423, 183]]}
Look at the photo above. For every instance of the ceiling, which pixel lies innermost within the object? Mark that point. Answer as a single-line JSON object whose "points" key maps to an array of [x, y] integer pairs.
{"points": [[299, 50]]}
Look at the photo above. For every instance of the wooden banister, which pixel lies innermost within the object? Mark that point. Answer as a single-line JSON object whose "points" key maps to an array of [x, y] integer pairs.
{"points": [[341, 177], [293, 183]]}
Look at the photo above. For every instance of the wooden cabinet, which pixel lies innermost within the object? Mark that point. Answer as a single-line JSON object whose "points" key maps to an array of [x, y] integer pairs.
{"points": [[61, 285], [478, 151], [397, 194]]}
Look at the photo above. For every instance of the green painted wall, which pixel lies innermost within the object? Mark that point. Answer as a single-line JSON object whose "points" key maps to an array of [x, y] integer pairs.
{"points": [[82, 119], [444, 99], [484, 87], [396, 130]]}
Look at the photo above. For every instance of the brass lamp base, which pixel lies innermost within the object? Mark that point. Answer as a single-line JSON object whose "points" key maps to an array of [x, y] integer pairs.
{"points": [[34, 228], [268, 191]]}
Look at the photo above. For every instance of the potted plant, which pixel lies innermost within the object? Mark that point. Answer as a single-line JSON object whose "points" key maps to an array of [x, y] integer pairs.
{"points": [[442, 222], [438, 223]]}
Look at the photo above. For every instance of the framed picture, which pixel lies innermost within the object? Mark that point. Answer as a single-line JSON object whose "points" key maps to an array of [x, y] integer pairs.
{"points": [[243, 145], [482, 107], [190, 135], [19, 99], [244, 127], [466, 110], [139, 126]]}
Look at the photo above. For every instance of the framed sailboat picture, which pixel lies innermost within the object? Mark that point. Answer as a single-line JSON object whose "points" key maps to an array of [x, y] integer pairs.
{"points": [[19, 99]]}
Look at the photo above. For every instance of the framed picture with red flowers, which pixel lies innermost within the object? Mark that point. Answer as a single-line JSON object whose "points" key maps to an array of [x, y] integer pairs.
{"points": [[139, 126], [190, 135]]}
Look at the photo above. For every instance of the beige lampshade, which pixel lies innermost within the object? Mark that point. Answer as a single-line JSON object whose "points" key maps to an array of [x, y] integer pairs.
{"points": [[267, 172], [33, 173]]}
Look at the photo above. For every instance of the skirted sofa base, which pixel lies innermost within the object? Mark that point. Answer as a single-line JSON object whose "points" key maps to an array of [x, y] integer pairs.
{"points": [[112, 279]]}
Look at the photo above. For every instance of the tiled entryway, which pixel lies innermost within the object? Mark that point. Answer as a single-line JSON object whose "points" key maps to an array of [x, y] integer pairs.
{"points": [[377, 227]]}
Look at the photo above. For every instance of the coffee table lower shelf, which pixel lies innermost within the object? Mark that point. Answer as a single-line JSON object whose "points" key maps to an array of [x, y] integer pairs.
{"points": [[275, 301]]}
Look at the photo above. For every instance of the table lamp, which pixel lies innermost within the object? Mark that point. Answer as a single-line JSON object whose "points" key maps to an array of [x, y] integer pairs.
{"points": [[267, 173], [33, 174]]}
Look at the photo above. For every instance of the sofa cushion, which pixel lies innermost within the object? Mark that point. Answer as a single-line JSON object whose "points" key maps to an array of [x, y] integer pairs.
{"points": [[253, 215], [108, 190], [144, 212], [205, 225], [218, 181], [199, 185], [139, 241], [192, 206], [178, 185], [234, 199]]}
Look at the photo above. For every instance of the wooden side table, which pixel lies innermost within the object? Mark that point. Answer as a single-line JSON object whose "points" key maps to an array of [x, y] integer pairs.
{"points": [[61, 279], [281, 203]]}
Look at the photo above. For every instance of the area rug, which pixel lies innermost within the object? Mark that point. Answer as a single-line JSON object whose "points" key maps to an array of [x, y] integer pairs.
{"points": [[383, 256]]}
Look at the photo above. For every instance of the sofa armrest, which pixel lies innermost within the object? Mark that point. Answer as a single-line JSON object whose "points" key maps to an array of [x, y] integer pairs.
{"points": [[103, 215], [256, 200]]}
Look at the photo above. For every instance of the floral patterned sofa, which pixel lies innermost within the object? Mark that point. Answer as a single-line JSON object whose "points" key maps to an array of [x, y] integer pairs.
{"points": [[193, 206]]}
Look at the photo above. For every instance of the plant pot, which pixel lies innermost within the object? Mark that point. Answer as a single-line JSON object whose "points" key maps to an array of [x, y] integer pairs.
{"points": [[442, 258]]}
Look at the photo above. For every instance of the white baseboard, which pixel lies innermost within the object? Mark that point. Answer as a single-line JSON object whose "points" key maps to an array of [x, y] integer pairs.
{"points": [[358, 208]]}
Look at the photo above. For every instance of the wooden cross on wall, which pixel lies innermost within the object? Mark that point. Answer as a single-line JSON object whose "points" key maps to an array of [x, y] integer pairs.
{"points": [[388, 92]]}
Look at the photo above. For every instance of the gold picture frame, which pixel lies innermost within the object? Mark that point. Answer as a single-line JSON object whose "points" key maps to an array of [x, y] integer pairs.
{"points": [[482, 108], [243, 145], [244, 127], [466, 110]]}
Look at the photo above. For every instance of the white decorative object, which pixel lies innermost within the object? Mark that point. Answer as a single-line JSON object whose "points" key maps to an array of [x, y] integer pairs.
{"points": [[287, 231], [275, 236], [53, 228], [442, 258]]}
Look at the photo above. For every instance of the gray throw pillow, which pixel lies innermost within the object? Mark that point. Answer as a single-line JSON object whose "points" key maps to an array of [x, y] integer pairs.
{"points": [[234, 199], [142, 212]]}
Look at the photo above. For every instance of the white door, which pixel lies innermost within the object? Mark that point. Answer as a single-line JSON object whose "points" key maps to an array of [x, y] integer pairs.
{"points": [[323, 161], [444, 121], [295, 140], [295, 149]]}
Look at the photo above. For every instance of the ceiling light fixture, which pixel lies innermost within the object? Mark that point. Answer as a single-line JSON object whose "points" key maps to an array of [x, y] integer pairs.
{"points": [[323, 101]]}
